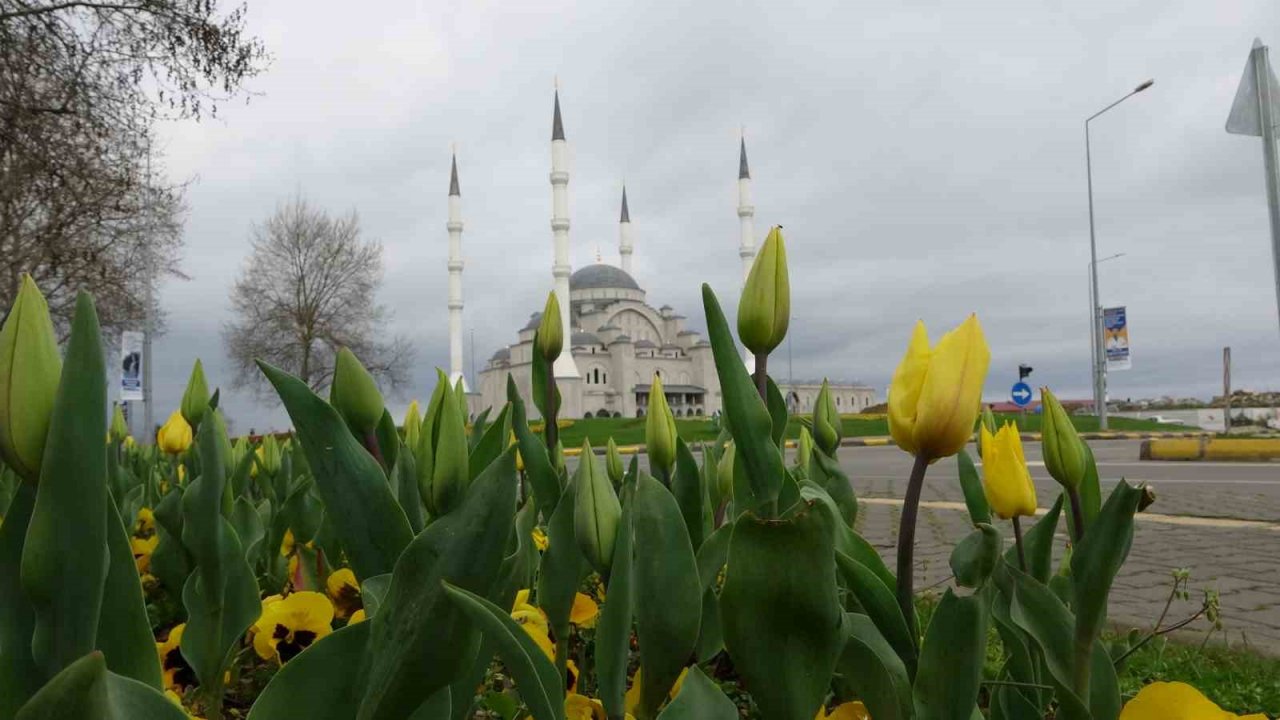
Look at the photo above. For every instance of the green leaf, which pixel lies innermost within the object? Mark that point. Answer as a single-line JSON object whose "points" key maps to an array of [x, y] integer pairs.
{"points": [[404, 480], [171, 563], [975, 557], [700, 699], [613, 629], [420, 641], [491, 444], [951, 658], [373, 592], [778, 414], [748, 418], [1038, 544], [20, 678], [388, 437], [1104, 686], [668, 599], [826, 472], [713, 554], [975, 498], [1047, 621], [370, 524], [124, 631], [320, 683], [538, 373], [562, 567], [846, 540], [86, 690], [874, 670], [780, 613], [62, 571], [1100, 554], [881, 607], [686, 486], [1090, 488], [247, 523], [536, 678], [537, 465]]}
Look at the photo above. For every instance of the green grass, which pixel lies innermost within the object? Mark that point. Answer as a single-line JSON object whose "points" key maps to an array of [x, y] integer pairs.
{"points": [[630, 431]]}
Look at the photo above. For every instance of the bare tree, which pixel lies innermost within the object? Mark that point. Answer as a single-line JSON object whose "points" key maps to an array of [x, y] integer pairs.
{"points": [[308, 289]]}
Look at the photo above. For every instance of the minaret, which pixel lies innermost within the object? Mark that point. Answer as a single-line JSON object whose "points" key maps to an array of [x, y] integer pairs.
{"points": [[564, 365], [746, 213], [455, 277], [624, 234]]}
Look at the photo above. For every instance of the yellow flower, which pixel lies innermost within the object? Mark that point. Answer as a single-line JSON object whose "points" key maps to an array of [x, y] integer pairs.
{"points": [[177, 673], [846, 711], [287, 544], [540, 539], [174, 437], [129, 442], [145, 524], [1005, 477], [289, 626], [344, 590], [581, 707], [584, 611], [142, 549], [356, 617], [936, 393], [534, 622], [631, 700], [1177, 701]]}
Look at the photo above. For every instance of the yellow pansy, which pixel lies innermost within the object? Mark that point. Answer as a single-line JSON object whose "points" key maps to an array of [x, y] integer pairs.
{"points": [[1177, 701], [540, 539], [936, 392], [846, 711], [534, 622], [584, 611], [344, 590], [287, 544], [173, 666], [145, 523], [142, 550], [581, 707], [632, 699], [1005, 478], [356, 617], [289, 626], [174, 437]]}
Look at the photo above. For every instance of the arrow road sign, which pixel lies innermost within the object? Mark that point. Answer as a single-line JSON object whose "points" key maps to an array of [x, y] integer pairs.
{"points": [[1021, 394]]}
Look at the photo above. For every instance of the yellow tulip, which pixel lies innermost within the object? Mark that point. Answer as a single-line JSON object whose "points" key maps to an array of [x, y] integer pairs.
{"points": [[936, 392], [846, 711], [1177, 701], [143, 549], [1005, 477], [174, 436]]}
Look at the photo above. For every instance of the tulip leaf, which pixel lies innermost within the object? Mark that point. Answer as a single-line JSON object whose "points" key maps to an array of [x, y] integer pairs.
{"points": [[1090, 489], [404, 481], [419, 640], [686, 486], [613, 630], [537, 465], [668, 597], [700, 699], [491, 444], [63, 572], [247, 523], [975, 499], [713, 554], [1038, 544], [875, 672], [825, 471], [881, 607], [480, 427], [1047, 621], [320, 683], [974, 558], [748, 418], [373, 592], [388, 438], [369, 522], [778, 414], [951, 658], [562, 567], [1022, 664], [86, 690], [780, 612], [1098, 557], [846, 540], [124, 630], [536, 678], [170, 563], [1104, 685], [518, 567], [540, 373], [20, 678]]}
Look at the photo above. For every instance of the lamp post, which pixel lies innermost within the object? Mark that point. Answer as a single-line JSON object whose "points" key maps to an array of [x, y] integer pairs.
{"points": [[1099, 361], [1095, 308]]}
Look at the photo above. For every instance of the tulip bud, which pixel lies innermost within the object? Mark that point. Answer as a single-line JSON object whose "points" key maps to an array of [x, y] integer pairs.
{"points": [[936, 392], [596, 512], [1005, 478], [354, 394], [29, 370], [804, 449], [118, 430], [988, 419], [724, 473], [450, 470], [765, 308], [196, 398], [270, 455], [412, 425], [826, 421], [613, 463], [550, 339], [659, 432], [174, 437], [1064, 451]]}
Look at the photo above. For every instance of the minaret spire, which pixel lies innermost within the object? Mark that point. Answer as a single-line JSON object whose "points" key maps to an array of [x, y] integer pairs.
{"points": [[744, 173], [746, 212], [564, 365], [455, 276], [624, 234]]}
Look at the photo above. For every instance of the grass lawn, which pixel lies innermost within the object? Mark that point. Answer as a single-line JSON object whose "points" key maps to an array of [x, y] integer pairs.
{"points": [[630, 431]]}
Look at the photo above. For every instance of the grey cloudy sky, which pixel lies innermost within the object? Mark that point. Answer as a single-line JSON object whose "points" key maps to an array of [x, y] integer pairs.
{"points": [[926, 159]]}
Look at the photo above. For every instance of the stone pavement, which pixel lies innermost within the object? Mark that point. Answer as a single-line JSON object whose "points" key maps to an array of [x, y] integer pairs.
{"points": [[1222, 521]]}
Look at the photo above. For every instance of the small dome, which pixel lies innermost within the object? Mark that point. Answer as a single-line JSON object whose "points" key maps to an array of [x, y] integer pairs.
{"points": [[503, 355], [584, 338], [645, 344], [534, 320], [601, 276]]}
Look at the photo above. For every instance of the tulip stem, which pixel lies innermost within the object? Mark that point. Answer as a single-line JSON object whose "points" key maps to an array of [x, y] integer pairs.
{"points": [[371, 444], [1017, 540], [907, 542], [1077, 514], [762, 376]]}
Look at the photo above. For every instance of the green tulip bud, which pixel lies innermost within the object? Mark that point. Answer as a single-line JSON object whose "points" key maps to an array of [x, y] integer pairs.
{"points": [[450, 472], [29, 370], [354, 394], [240, 448], [424, 448], [118, 430], [595, 513], [412, 426], [804, 449], [765, 308], [550, 339], [196, 398], [826, 421], [660, 432], [613, 463], [724, 473], [271, 455], [1065, 456], [988, 419]]}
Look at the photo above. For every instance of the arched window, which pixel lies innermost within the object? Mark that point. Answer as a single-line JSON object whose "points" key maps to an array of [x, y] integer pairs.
{"points": [[604, 377]]}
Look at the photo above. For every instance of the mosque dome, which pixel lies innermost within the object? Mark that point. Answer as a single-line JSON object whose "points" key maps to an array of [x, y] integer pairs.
{"points": [[599, 276]]}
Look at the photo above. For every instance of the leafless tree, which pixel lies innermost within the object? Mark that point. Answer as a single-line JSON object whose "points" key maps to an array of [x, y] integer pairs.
{"points": [[308, 289], [83, 199]]}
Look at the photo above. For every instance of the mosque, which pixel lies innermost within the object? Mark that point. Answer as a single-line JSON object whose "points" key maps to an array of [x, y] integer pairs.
{"points": [[619, 341]]}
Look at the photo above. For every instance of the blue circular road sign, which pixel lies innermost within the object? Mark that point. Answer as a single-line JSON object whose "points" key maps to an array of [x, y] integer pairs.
{"points": [[1021, 394]]}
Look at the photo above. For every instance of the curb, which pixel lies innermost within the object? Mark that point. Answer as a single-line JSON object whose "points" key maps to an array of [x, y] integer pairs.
{"points": [[1206, 447]]}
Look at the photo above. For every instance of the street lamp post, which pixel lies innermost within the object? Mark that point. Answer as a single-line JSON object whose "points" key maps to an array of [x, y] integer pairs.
{"points": [[1099, 359], [1094, 308]]}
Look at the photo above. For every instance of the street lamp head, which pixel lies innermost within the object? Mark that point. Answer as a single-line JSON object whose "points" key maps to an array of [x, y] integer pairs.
{"points": [[1144, 86]]}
